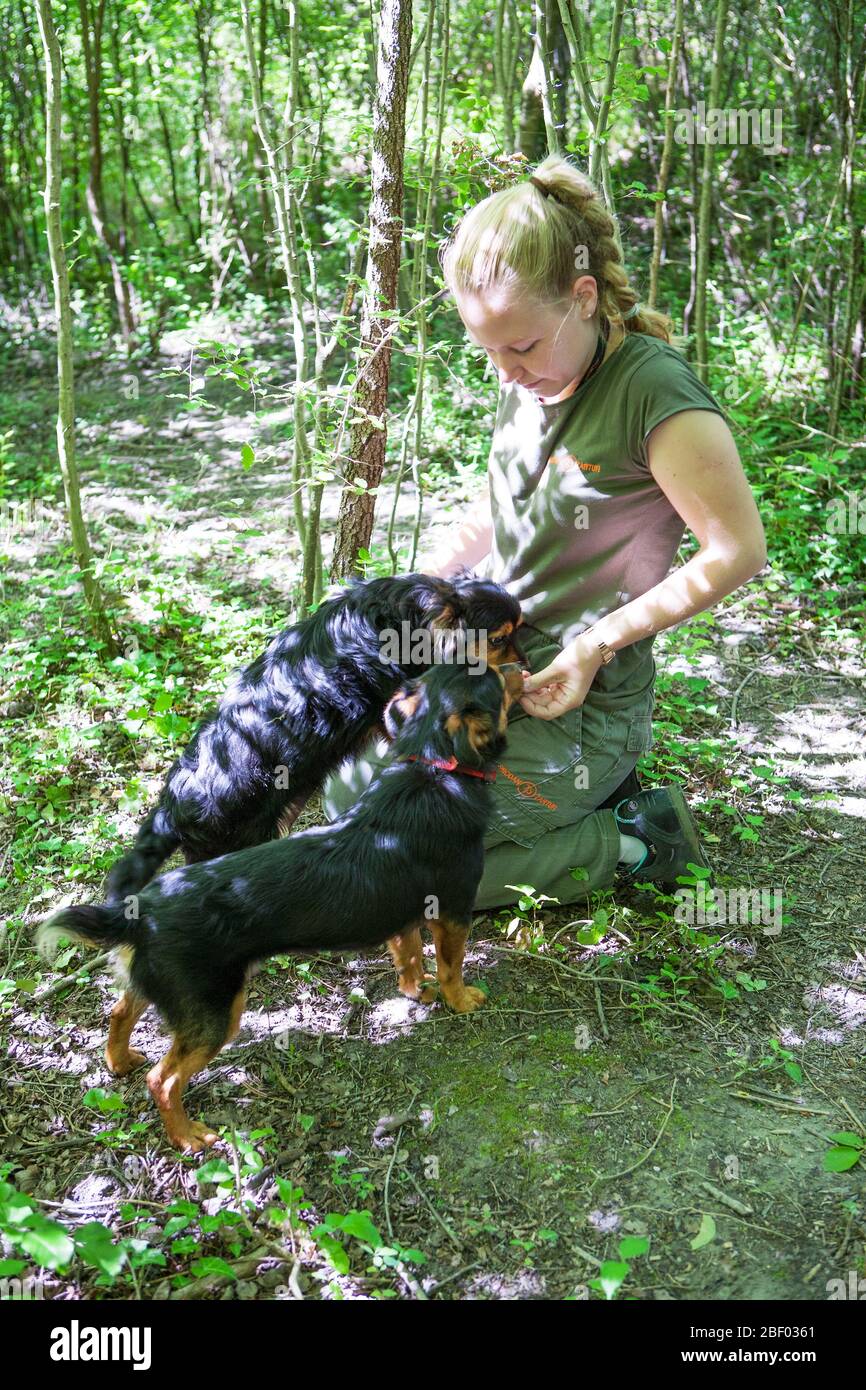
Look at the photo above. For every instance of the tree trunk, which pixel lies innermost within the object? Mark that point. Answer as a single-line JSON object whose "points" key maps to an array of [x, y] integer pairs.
{"points": [[367, 426], [63, 311], [91, 45], [506, 41], [704, 213], [667, 155]]}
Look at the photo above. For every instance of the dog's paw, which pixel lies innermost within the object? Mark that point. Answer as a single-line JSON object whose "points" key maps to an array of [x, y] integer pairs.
{"points": [[423, 988], [194, 1138], [126, 1062], [467, 1000]]}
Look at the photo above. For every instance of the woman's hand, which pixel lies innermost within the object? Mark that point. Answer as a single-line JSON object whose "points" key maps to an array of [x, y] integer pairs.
{"points": [[563, 684]]}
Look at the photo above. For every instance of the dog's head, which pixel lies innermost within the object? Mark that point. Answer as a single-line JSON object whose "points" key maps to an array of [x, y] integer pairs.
{"points": [[474, 620], [449, 712], [423, 620], [490, 615]]}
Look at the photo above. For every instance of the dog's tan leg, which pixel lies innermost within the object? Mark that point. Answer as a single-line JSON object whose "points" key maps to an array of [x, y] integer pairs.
{"points": [[408, 956], [450, 938], [168, 1080], [121, 1058]]}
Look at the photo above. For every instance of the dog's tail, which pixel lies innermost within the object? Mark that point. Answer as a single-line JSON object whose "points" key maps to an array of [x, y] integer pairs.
{"points": [[96, 926], [156, 840]]}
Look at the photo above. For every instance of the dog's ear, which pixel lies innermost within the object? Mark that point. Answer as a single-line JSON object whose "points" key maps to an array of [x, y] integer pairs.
{"points": [[449, 616], [400, 708], [472, 732]]}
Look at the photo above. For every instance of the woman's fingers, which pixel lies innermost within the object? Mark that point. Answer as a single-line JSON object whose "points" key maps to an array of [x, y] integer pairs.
{"points": [[551, 708], [548, 702], [548, 676]]}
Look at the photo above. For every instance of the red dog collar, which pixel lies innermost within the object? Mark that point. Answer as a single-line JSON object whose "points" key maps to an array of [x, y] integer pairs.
{"points": [[448, 765]]}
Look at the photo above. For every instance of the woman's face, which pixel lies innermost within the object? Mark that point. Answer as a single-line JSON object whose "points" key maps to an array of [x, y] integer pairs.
{"points": [[541, 347]]}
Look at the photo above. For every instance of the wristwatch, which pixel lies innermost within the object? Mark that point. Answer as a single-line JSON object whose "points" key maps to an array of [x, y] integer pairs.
{"points": [[607, 653]]}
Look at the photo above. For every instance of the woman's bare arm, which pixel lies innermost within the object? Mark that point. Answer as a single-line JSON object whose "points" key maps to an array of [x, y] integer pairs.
{"points": [[693, 458], [470, 544]]}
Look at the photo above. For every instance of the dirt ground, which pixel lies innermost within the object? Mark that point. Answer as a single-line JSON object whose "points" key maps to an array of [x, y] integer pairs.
{"points": [[516, 1148]]}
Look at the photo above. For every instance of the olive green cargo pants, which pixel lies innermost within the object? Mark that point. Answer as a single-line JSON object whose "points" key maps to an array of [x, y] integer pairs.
{"points": [[551, 777]]}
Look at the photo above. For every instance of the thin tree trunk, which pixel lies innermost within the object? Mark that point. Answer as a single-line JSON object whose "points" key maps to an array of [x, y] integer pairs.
{"points": [[549, 41], [531, 134], [413, 437], [506, 43], [667, 157], [595, 109], [367, 428], [91, 45], [704, 217], [63, 311], [849, 108], [599, 143]]}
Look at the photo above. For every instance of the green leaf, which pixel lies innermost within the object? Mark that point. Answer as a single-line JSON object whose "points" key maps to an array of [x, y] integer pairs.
{"points": [[217, 1170], [106, 1102], [290, 1195], [210, 1265], [706, 1233], [417, 1257], [610, 1277], [47, 1241], [96, 1247], [631, 1246], [334, 1251], [248, 456], [840, 1160], [360, 1225], [175, 1224]]}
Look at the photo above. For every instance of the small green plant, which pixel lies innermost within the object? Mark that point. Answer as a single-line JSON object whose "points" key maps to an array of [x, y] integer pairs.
{"points": [[613, 1273], [109, 1103], [334, 1233], [51, 1245], [776, 1059], [529, 1246], [359, 1184], [526, 929], [848, 1150]]}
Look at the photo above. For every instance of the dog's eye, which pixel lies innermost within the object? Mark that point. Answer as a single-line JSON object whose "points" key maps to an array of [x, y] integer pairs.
{"points": [[497, 641]]}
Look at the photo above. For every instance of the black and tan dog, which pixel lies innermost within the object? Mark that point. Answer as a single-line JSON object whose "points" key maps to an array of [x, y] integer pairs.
{"points": [[309, 702], [409, 853]]}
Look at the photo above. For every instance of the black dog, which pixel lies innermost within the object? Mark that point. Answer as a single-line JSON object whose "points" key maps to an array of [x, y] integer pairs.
{"points": [[308, 703], [410, 851]]}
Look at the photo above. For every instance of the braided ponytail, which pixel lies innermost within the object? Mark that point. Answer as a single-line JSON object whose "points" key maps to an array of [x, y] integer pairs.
{"points": [[536, 237]]}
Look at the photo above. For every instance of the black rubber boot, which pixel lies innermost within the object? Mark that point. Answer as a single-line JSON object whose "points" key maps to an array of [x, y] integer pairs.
{"points": [[630, 786], [661, 818]]}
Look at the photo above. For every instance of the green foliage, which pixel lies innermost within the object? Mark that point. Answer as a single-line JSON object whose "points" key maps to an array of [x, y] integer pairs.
{"points": [[848, 1150]]}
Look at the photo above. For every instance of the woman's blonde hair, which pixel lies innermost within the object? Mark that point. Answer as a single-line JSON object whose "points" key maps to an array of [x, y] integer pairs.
{"points": [[526, 242]]}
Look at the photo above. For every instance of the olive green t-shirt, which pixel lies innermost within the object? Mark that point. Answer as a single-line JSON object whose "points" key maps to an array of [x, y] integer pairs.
{"points": [[580, 526]]}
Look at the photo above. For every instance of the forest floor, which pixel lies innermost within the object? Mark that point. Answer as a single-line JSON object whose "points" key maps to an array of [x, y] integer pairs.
{"points": [[658, 1085]]}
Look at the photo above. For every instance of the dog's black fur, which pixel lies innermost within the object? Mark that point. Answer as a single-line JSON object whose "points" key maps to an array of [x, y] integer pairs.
{"points": [[410, 851], [309, 702]]}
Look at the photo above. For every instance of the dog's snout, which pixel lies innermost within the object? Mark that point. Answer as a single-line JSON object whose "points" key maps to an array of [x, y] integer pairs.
{"points": [[516, 646], [512, 675]]}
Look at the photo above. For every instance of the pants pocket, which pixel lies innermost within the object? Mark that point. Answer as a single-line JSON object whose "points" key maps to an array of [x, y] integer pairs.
{"points": [[640, 734], [535, 778]]}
